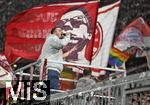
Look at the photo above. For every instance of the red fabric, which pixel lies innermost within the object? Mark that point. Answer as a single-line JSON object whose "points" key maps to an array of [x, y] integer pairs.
{"points": [[141, 25], [44, 77], [95, 44], [26, 32], [138, 23]]}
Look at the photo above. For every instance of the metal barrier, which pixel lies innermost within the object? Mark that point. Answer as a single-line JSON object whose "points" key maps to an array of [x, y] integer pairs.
{"points": [[120, 91], [29, 67], [34, 68], [111, 92]]}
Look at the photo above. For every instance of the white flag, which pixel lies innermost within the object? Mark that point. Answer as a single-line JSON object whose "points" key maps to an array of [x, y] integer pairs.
{"points": [[106, 21], [5, 71]]}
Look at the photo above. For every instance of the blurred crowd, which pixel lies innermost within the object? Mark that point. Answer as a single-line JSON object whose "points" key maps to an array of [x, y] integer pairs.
{"points": [[130, 10], [142, 98]]}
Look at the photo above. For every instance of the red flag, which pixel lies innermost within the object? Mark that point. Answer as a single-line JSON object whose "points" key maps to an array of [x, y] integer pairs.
{"points": [[133, 36], [26, 32]]}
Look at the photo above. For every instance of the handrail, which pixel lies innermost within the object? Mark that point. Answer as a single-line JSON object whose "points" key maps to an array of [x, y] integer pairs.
{"points": [[65, 63], [85, 65], [25, 67], [71, 64], [101, 87], [27, 74], [62, 79], [106, 84]]}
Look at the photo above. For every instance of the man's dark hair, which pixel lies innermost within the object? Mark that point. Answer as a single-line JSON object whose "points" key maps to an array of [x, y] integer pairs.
{"points": [[53, 29], [86, 72]]}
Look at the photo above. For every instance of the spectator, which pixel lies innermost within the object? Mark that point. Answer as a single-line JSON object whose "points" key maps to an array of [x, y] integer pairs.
{"points": [[52, 51], [148, 58], [86, 80]]}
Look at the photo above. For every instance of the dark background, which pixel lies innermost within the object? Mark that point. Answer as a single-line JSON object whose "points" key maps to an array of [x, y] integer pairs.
{"points": [[130, 10]]}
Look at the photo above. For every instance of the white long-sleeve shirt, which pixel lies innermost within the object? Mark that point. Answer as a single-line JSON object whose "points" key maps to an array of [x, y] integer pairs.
{"points": [[52, 51]]}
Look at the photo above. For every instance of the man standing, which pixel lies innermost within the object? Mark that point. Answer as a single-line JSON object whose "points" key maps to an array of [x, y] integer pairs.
{"points": [[52, 51]]}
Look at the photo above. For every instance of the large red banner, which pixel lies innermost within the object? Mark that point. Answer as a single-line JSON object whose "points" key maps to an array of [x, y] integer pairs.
{"points": [[26, 32]]}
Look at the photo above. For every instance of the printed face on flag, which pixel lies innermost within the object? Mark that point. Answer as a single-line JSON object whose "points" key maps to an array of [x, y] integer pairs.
{"points": [[34, 25], [77, 22]]}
